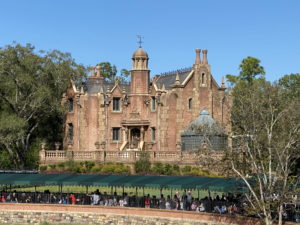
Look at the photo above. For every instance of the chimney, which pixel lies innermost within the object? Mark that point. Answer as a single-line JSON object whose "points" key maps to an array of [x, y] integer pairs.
{"points": [[98, 71], [198, 60], [93, 71], [204, 57]]}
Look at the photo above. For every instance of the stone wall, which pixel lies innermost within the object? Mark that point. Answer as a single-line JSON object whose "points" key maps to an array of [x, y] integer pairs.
{"points": [[37, 213]]}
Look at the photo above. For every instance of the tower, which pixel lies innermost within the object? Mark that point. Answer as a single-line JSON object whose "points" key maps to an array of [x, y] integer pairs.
{"points": [[140, 78]]}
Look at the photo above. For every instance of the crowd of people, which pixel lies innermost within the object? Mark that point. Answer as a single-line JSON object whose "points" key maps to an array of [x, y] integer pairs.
{"points": [[183, 201], [225, 204]]}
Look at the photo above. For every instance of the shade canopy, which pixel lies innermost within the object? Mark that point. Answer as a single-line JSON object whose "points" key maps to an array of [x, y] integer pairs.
{"points": [[161, 182]]}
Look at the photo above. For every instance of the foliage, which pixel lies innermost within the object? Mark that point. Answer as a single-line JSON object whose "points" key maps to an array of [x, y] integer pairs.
{"points": [[86, 167], [143, 165], [5, 160], [43, 168], [109, 72], [250, 68], [266, 133], [30, 94], [290, 85]]}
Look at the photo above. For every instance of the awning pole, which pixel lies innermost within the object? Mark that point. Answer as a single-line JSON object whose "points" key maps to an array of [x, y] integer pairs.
{"points": [[198, 193], [123, 190], [160, 191], [143, 191], [171, 193], [111, 190], [35, 188], [87, 189], [136, 191]]}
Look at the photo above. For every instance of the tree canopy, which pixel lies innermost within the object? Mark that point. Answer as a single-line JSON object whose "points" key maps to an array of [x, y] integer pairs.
{"points": [[31, 87], [109, 72], [249, 68], [266, 132]]}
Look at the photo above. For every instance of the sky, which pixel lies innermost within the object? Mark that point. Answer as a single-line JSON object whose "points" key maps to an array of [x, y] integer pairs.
{"points": [[94, 31]]}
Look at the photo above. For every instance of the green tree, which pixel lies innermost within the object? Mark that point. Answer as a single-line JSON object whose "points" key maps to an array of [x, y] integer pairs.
{"points": [[291, 85], [110, 72], [31, 87], [266, 131], [250, 68]]}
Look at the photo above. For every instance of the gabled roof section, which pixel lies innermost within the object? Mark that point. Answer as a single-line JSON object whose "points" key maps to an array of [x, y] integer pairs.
{"points": [[95, 86], [168, 79]]}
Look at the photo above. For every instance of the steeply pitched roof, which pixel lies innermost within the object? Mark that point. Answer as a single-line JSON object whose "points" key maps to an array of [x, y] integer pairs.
{"points": [[94, 86], [168, 79]]}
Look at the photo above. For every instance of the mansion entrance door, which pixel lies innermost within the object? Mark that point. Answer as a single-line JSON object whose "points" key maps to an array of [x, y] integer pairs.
{"points": [[135, 137]]}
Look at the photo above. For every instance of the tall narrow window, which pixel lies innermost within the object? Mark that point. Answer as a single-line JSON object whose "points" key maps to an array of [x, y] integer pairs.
{"points": [[70, 105], [116, 104], [70, 132], [190, 103], [203, 78], [153, 103], [116, 134], [153, 137]]}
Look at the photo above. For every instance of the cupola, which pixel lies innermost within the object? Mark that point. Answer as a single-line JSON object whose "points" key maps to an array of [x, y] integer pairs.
{"points": [[140, 60]]}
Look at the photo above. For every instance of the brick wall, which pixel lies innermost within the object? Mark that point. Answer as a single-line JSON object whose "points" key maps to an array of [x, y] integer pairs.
{"points": [[37, 213]]}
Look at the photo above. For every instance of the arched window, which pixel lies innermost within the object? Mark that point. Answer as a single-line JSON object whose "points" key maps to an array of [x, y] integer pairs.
{"points": [[190, 103], [70, 105], [70, 132], [153, 103], [203, 78], [153, 135]]}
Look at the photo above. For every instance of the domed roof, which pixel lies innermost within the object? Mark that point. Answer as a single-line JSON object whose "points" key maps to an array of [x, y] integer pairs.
{"points": [[203, 119], [140, 53], [204, 123]]}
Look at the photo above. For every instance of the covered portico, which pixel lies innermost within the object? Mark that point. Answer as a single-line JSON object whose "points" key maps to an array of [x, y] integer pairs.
{"points": [[134, 134]]}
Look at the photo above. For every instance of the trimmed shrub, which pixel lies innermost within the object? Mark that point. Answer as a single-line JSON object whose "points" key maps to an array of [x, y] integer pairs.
{"points": [[52, 166], [96, 169], [157, 168], [43, 168]]}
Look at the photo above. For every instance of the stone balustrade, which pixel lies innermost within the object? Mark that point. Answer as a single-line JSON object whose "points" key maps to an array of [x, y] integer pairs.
{"points": [[53, 156]]}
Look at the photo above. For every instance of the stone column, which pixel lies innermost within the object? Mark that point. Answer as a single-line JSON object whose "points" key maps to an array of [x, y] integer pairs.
{"points": [[142, 133], [129, 137]]}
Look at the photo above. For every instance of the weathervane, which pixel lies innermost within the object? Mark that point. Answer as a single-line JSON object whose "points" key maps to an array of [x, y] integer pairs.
{"points": [[140, 40]]}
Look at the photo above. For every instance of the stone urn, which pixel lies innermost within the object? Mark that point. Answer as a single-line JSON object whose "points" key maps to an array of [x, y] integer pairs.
{"points": [[57, 145]]}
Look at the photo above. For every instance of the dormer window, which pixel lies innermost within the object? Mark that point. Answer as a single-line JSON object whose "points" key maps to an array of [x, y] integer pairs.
{"points": [[116, 104]]}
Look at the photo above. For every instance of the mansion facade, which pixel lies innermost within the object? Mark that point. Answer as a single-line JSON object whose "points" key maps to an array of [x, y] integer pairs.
{"points": [[146, 114]]}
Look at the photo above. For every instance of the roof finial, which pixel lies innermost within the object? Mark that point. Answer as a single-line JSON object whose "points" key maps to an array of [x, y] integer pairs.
{"points": [[223, 83], [177, 80], [140, 40]]}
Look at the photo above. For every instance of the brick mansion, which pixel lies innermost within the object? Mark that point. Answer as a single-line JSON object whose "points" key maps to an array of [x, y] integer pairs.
{"points": [[168, 115]]}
